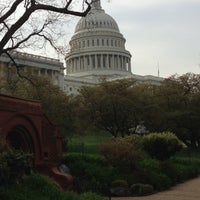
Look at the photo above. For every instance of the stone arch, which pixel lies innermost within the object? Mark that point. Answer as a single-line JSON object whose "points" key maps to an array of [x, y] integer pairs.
{"points": [[21, 133], [20, 138]]}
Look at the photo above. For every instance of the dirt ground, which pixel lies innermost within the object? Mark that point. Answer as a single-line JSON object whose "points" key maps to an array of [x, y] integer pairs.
{"points": [[189, 190]]}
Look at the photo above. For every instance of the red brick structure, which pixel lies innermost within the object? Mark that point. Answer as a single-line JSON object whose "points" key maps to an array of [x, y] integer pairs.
{"points": [[24, 125]]}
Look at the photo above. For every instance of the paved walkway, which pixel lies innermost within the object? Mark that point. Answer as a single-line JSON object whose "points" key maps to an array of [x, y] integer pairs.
{"points": [[189, 190]]}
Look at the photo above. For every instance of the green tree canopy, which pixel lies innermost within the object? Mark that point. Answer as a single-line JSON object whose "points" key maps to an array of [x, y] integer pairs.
{"points": [[111, 106]]}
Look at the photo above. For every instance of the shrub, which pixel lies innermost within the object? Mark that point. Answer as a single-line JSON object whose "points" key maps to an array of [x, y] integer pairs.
{"points": [[188, 161], [135, 140], [185, 172], [13, 165], [91, 196], [121, 183], [149, 164], [140, 189], [4, 146], [169, 168], [149, 172], [186, 167], [121, 154], [119, 188], [92, 172], [159, 181], [38, 187], [161, 145]]}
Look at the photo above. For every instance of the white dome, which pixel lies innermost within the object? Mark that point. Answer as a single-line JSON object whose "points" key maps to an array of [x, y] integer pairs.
{"points": [[97, 19], [97, 46]]}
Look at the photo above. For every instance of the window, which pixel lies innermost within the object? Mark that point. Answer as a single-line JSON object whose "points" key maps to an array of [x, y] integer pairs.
{"points": [[88, 60], [102, 42], [104, 61], [111, 42]]}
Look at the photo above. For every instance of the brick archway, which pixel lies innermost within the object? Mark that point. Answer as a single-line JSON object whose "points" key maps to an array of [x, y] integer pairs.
{"points": [[21, 133], [24, 125], [20, 138]]}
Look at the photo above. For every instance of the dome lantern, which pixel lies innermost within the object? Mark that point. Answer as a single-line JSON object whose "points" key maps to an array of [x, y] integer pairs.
{"points": [[96, 4]]}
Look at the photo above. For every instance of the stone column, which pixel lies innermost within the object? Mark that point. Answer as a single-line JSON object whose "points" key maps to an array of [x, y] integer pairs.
{"points": [[96, 62], [112, 61], [118, 62], [81, 63], [85, 63], [90, 65], [101, 61], [107, 61], [72, 65], [129, 65], [124, 63], [75, 64]]}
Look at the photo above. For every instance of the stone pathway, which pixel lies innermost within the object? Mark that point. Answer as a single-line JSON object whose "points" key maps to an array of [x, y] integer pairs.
{"points": [[189, 190]]}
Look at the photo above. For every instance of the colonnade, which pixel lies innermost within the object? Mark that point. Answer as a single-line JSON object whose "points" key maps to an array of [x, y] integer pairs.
{"points": [[98, 61]]}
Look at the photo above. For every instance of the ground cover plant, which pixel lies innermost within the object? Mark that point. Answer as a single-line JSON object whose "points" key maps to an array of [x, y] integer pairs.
{"points": [[91, 172], [108, 175], [17, 182], [140, 169], [38, 187]]}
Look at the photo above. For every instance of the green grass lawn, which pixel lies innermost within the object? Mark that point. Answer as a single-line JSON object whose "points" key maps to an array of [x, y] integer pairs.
{"points": [[88, 143]]}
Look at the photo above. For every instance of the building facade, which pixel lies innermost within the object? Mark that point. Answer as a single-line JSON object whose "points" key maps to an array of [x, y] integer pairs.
{"points": [[33, 65], [97, 50]]}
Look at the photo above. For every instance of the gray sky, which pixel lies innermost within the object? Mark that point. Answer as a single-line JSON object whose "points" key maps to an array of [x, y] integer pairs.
{"points": [[162, 34], [159, 33]]}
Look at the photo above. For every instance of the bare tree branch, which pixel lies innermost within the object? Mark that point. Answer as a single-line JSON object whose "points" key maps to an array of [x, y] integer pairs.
{"points": [[31, 6], [11, 10], [27, 38]]}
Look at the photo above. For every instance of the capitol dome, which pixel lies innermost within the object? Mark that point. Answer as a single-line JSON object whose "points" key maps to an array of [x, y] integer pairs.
{"points": [[97, 47], [97, 19]]}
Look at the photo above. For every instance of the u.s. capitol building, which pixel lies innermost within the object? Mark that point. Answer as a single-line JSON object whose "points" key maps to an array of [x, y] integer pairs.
{"points": [[97, 50]]}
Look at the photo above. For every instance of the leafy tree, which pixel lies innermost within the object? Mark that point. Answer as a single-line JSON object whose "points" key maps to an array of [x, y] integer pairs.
{"points": [[111, 106], [178, 101]]}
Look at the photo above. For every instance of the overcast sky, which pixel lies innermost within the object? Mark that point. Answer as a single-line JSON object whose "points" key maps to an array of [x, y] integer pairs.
{"points": [[162, 34]]}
